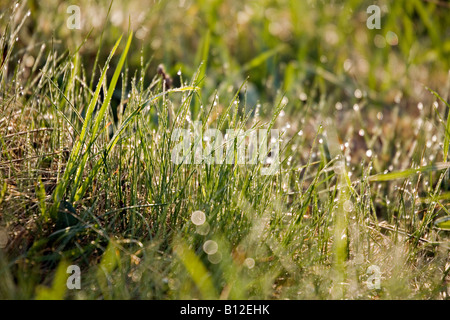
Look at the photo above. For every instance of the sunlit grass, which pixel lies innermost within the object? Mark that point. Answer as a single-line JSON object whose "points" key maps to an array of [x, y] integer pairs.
{"points": [[86, 170]]}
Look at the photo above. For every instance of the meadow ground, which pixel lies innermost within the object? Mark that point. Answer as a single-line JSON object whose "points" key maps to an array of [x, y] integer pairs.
{"points": [[91, 118]]}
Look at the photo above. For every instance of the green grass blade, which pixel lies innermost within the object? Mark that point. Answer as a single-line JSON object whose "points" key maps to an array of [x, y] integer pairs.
{"points": [[76, 151], [117, 135], [447, 127], [59, 287], [408, 172], [100, 115], [443, 223], [196, 270]]}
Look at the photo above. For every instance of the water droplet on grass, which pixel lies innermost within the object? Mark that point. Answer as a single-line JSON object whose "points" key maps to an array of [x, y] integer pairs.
{"points": [[198, 218], [249, 263], [391, 38], [380, 116], [203, 229], [339, 167], [215, 258], [210, 247], [379, 41], [348, 206], [347, 65]]}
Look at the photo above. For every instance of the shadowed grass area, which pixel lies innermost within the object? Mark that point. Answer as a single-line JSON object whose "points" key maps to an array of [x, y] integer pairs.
{"points": [[90, 122]]}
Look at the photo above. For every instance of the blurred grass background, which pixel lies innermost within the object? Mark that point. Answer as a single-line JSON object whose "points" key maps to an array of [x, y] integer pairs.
{"points": [[315, 53], [281, 45]]}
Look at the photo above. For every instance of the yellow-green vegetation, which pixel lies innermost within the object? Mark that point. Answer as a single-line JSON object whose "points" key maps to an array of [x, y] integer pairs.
{"points": [[86, 131]]}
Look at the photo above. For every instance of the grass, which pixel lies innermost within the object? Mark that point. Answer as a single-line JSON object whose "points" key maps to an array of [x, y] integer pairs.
{"points": [[87, 135]]}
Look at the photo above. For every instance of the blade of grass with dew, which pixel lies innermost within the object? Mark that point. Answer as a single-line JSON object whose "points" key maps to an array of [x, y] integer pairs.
{"points": [[100, 115], [443, 223], [115, 139], [73, 162], [408, 172], [204, 53]]}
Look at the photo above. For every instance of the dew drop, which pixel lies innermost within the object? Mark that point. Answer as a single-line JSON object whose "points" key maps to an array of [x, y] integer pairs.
{"points": [[215, 258], [203, 229], [249, 263], [198, 218], [210, 247], [348, 206]]}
